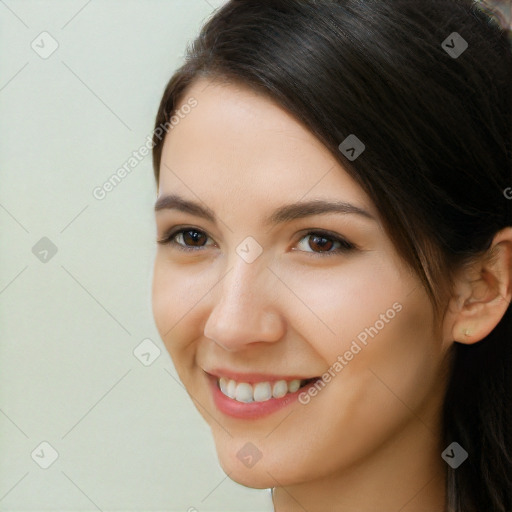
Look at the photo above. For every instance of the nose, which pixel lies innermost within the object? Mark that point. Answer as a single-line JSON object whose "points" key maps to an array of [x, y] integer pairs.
{"points": [[245, 309]]}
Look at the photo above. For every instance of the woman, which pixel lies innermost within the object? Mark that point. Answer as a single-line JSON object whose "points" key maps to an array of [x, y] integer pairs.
{"points": [[334, 271]]}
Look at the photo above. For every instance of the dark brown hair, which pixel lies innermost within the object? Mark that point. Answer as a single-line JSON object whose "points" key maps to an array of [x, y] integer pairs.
{"points": [[438, 134]]}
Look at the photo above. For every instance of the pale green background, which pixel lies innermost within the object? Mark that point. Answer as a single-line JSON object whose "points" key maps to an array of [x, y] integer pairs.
{"points": [[127, 435]]}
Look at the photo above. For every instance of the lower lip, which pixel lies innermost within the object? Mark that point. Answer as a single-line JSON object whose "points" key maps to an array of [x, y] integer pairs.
{"points": [[251, 410]]}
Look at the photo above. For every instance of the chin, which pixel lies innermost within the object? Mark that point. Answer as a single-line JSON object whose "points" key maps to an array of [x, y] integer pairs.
{"points": [[263, 474], [252, 480]]}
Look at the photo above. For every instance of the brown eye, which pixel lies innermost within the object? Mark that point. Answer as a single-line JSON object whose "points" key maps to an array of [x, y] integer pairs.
{"points": [[186, 239], [320, 243], [323, 243], [194, 238]]}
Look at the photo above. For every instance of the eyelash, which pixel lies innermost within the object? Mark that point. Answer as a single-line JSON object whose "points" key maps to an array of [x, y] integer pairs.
{"points": [[345, 246]]}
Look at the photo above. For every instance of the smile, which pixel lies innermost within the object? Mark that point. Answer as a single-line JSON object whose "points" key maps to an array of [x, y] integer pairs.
{"points": [[261, 396], [260, 391]]}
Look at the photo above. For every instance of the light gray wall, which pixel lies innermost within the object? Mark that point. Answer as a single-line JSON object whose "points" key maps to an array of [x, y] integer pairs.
{"points": [[126, 434]]}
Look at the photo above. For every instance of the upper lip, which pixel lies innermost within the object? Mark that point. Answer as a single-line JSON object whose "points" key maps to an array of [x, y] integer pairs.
{"points": [[252, 377]]}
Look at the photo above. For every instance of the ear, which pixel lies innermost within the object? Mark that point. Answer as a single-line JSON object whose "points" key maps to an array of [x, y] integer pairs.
{"points": [[483, 291]]}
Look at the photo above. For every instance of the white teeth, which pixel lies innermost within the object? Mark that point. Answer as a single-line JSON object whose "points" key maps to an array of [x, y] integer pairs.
{"points": [[244, 392], [230, 391], [280, 389], [260, 392], [293, 386]]}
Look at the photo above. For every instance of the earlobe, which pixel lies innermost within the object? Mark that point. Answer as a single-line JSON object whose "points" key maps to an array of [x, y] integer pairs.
{"points": [[484, 292]]}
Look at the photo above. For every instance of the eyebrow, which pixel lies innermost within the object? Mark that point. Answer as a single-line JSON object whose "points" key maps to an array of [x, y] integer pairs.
{"points": [[281, 215]]}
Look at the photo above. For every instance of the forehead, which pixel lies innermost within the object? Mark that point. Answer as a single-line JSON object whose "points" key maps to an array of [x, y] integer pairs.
{"points": [[236, 141]]}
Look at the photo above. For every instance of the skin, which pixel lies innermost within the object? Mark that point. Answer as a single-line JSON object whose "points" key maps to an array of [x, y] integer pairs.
{"points": [[369, 441]]}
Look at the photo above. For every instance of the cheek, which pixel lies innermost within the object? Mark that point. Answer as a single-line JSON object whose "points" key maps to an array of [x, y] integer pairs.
{"points": [[179, 295], [340, 304], [394, 373], [175, 292], [408, 357], [385, 383], [379, 320]]}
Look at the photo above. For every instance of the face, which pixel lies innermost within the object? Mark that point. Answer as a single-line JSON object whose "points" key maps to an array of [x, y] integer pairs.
{"points": [[257, 297]]}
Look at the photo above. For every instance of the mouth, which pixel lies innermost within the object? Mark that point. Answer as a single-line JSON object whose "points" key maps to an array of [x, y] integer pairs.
{"points": [[263, 391], [250, 396]]}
